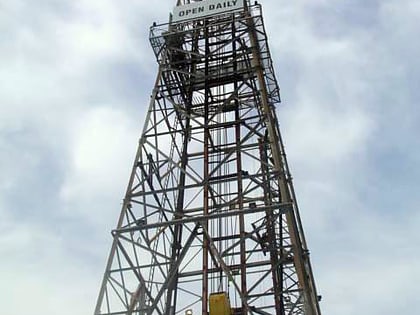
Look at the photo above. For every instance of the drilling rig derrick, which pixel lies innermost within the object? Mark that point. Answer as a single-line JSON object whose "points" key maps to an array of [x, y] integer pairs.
{"points": [[209, 223]]}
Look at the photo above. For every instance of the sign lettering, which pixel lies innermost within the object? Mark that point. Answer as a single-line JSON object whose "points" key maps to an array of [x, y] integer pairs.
{"points": [[203, 8]]}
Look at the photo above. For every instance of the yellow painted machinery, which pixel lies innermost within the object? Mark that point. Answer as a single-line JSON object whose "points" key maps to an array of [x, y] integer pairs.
{"points": [[219, 304]]}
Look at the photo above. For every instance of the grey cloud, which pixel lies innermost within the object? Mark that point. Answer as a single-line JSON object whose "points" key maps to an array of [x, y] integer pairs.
{"points": [[73, 71]]}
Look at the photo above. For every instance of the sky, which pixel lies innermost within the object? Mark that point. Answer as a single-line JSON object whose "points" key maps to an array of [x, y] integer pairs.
{"points": [[75, 80]]}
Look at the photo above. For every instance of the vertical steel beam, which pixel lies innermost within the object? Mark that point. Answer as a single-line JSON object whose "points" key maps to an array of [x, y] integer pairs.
{"points": [[206, 172]]}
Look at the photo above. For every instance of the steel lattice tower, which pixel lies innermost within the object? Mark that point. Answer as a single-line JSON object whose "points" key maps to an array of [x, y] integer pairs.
{"points": [[210, 205]]}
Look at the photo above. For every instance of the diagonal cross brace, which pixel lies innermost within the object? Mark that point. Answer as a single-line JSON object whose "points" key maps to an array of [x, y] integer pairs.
{"points": [[174, 268]]}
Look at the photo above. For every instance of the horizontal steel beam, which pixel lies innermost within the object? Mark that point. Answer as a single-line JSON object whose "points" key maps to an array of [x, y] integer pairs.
{"points": [[283, 207]]}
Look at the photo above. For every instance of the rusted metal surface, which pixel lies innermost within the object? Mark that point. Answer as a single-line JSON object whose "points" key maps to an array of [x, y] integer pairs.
{"points": [[210, 205]]}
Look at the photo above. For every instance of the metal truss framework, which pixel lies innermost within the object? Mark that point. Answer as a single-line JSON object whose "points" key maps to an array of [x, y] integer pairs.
{"points": [[210, 205]]}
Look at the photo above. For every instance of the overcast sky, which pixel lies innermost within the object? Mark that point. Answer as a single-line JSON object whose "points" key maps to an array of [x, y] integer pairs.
{"points": [[75, 79]]}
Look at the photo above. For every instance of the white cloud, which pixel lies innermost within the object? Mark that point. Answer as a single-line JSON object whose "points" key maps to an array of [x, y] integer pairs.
{"points": [[53, 116], [371, 265], [348, 123], [39, 274], [102, 149]]}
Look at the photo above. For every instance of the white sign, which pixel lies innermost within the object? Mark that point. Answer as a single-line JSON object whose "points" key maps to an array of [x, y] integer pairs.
{"points": [[203, 8]]}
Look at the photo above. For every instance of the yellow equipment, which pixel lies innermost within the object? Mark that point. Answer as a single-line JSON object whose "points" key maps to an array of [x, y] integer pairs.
{"points": [[219, 304]]}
